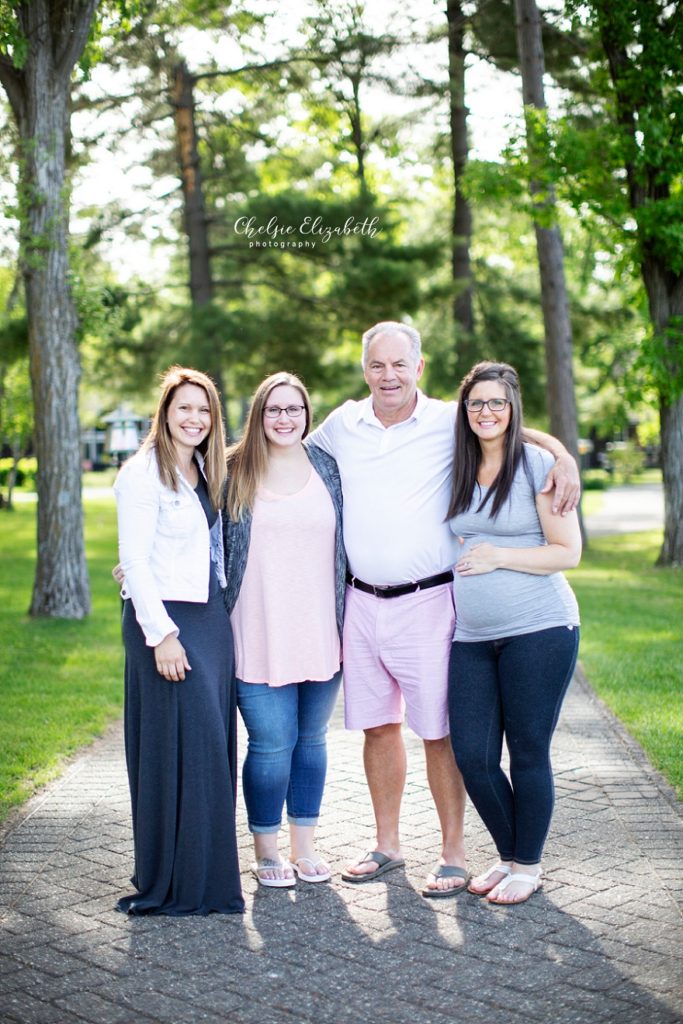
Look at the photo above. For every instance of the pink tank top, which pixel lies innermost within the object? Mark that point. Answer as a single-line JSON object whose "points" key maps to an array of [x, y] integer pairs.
{"points": [[284, 621]]}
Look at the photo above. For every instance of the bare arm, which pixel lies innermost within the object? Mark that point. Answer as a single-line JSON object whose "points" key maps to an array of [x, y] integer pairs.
{"points": [[563, 550], [563, 477]]}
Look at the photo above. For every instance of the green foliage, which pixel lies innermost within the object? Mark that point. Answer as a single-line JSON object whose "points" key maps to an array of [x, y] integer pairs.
{"points": [[13, 42], [594, 480], [621, 156], [648, 430], [114, 16], [273, 156], [16, 413], [13, 338], [26, 470], [279, 142], [506, 302], [16, 425], [106, 310], [296, 274], [626, 461], [493, 39], [661, 356], [616, 160], [16, 402], [114, 19]]}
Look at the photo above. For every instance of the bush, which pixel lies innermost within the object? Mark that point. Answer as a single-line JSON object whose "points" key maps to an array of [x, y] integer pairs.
{"points": [[626, 460], [595, 480], [26, 472]]}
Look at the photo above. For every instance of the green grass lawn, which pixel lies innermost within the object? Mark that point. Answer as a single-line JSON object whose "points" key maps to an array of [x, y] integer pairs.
{"points": [[632, 641], [60, 682]]}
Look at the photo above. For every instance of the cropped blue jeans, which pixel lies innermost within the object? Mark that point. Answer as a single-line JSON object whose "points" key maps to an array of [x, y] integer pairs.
{"points": [[510, 688], [286, 758]]}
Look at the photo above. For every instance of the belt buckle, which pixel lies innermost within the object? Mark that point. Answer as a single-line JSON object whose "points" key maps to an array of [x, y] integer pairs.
{"points": [[381, 588]]}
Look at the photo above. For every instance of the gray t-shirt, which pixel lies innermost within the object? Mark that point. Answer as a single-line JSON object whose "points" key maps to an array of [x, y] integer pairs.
{"points": [[506, 603]]}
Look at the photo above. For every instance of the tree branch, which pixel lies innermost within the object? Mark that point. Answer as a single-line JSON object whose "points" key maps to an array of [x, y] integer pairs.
{"points": [[285, 62], [74, 30], [12, 81]]}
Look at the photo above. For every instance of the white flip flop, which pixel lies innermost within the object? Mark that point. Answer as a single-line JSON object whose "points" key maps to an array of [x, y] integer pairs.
{"points": [[270, 864], [518, 876], [324, 876], [501, 869]]}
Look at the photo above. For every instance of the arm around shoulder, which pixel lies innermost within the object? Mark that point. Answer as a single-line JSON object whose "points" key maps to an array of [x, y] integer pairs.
{"points": [[564, 479]]}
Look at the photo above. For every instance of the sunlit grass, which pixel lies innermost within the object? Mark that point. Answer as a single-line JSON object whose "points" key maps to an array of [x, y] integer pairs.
{"points": [[60, 681], [632, 641]]}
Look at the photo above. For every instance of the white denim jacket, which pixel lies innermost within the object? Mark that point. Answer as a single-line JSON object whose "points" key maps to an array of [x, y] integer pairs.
{"points": [[164, 544]]}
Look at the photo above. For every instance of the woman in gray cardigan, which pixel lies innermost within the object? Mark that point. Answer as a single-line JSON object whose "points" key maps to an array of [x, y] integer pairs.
{"points": [[285, 569]]}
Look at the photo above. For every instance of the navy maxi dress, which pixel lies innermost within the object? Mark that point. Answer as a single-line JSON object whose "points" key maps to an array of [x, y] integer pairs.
{"points": [[181, 755]]}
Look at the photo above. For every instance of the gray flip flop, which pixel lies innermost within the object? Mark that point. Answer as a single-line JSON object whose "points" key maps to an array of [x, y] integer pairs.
{"points": [[447, 871], [383, 862]]}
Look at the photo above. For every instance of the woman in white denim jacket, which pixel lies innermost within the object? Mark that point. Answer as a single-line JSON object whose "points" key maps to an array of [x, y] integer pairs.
{"points": [[180, 690]]}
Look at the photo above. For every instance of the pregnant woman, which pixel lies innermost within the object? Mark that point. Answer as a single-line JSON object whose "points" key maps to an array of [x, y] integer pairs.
{"points": [[516, 636]]}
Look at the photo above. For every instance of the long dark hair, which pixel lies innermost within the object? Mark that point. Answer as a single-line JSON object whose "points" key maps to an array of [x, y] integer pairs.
{"points": [[467, 455]]}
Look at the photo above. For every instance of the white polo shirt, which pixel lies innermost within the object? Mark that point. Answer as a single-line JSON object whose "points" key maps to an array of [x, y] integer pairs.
{"points": [[396, 483]]}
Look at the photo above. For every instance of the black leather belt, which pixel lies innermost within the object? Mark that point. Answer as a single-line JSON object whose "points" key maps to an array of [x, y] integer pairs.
{"points": [[401, 588]]}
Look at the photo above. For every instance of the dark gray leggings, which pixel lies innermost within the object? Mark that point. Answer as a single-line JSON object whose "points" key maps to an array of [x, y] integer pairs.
{"points": [[512, 688]]}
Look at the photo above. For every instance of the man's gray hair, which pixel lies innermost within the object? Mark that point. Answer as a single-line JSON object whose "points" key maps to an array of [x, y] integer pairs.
{"points": [[393, 327]]}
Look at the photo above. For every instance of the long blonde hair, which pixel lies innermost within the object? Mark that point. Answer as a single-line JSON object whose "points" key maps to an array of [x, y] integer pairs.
{"points": [[212, 447], [248, 457]]}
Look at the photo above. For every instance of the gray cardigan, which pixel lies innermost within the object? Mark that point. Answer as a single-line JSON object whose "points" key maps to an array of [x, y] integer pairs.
{"points": [[236, 536]]}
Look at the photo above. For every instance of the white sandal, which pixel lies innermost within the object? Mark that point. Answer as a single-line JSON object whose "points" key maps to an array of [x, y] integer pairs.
{"points": [[501, 869], [325, 876], [517, 876], [270, 864]]}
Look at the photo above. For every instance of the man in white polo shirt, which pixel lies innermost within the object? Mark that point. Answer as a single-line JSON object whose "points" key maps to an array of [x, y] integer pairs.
{"points": [[394, 450]]}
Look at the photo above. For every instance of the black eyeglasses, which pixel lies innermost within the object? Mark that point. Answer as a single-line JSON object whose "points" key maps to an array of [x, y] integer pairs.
{"points": [[273, 411], [494, 404]]}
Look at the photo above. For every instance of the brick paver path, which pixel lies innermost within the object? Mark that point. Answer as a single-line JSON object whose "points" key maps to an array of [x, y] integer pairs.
{"points": [[602, 942]]}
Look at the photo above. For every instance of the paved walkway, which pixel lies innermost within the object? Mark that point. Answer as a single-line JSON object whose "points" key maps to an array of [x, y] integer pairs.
{"points": [[602, 942], [628, 509]]}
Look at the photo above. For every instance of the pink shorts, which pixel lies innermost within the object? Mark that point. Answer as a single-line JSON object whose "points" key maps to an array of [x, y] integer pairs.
{"points": [[396, 659]]}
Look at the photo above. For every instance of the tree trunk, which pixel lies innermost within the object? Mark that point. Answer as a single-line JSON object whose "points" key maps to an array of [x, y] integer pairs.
{"points": [[560, 395], [665, 301], [461, 228], [196, 223], [558, 338], [61, 584], [357, 135], [671, 417], [39, 94], [194, 212]]}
